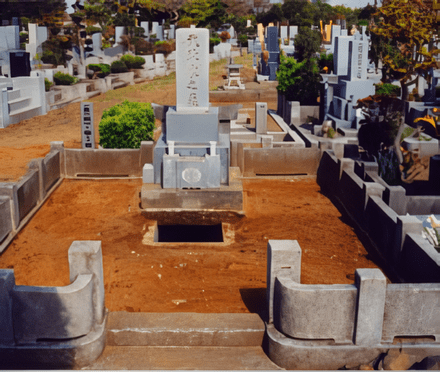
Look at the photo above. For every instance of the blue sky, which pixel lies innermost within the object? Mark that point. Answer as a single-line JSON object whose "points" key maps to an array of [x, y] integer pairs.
{"points": [[353, 3]]}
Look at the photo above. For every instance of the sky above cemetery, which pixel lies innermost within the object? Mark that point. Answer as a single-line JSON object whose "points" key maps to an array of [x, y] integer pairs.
{"points": [[353, 3]]}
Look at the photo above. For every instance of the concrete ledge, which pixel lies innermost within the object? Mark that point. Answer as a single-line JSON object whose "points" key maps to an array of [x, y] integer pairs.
{"points": [[296, 354], [5, 217], [350, 325], [28, 193], [107, 162], [271, 161], [315, 311], [184, 329], [55, 327], [225, 197], [183, 358], [71, 354]]}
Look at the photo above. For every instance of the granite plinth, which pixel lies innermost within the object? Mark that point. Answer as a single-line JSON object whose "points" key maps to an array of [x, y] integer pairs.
{"points": [[192, 127], [153, 196]]}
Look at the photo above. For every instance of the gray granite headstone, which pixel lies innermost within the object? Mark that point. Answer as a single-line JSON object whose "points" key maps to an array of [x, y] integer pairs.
{"points": [[192, 74]]}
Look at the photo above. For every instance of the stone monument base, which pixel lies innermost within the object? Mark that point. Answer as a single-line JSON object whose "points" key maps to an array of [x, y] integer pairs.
{"points": [[56, 354], [294, 354], [153, 196]]}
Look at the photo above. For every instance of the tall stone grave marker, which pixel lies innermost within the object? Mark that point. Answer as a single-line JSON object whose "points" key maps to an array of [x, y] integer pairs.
{"points": [[192, 129]]}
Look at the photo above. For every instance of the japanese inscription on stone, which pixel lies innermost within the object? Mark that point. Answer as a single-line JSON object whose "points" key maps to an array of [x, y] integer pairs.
{"points": [[192, 69], [87, 130], [359, 68]]}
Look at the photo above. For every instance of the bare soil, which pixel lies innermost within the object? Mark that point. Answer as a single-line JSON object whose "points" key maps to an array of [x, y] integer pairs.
{"points": [[166, 277], [143, 276]]}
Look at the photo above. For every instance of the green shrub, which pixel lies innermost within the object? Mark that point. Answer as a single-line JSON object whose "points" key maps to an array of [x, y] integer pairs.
{"points": [[93, 30], [387, 89], [50, 58], [299, 81], [132, 61], [118, 66], [61, 78], [102, 69], [47, 84], [127, 124]]}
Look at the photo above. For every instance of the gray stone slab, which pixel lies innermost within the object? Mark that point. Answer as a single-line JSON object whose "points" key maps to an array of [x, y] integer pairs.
{"points": [[107, 162], [227, 197], [184, 329], [315, 311], [68, 354], [190, 127], [261, 117], [28, 193], [51, 170], [7, 283], [85, 258], [148, 173], [52, 312], [283, 260], [5, 217], [183, 358], [294, 354], [10, 190], [412, 310], [192, 69], [372, 288]]}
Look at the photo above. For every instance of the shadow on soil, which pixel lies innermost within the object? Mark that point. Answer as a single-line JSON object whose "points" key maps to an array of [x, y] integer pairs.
{"points": [[255, 301]]}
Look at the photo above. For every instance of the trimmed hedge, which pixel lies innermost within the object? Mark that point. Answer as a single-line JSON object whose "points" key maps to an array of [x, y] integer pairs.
{"points": [[102, 69], [61, 78], [118, 66], [127, 124], [130, 61]]}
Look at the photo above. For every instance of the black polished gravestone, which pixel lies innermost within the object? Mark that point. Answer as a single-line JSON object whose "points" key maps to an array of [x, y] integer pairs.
{"points": [[20, 64]]}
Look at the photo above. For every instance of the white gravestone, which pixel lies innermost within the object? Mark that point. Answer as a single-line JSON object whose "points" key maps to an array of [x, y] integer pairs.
{"points": [[192, 74], [283, 34], [159, 33], [172, 32], [97, 42], [119, 31], [146, 27], [9, 37], [154, 28]]}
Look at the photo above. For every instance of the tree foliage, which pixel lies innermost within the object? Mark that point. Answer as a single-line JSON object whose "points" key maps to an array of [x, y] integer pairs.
{"points": [[307, 43], [298, 81], [403, 30]]}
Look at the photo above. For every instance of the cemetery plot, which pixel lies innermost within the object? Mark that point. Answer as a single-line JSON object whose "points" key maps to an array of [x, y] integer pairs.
{"points": [[210, 277]]}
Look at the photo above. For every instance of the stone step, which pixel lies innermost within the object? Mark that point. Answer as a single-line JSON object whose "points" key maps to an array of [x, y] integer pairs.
{"points": [[19, 103], [14, 94], [184, 329], [182, 358]]}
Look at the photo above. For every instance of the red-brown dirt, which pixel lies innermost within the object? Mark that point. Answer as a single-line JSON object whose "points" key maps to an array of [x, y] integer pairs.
{"points": [[215, 277]]}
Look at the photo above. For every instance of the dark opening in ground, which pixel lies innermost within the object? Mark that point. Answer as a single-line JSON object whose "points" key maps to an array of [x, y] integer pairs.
{"points": [[190, 233]]}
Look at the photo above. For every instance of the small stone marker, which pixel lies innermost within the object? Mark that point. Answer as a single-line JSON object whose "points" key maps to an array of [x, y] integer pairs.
{"points": [[87, 129]]}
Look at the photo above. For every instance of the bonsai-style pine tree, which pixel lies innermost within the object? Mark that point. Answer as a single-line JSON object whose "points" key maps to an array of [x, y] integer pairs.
{"points": [[404, 29]]}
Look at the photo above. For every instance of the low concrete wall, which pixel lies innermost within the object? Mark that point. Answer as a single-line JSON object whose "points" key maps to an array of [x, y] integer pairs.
{"points": [[365, 201], [55, 320], [336, 323], [27, 195], [273, 161], [5, 217], [107, 162]]}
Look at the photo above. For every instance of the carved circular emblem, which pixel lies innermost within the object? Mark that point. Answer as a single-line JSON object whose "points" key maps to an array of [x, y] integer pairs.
{"points": [[191, 175]]}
